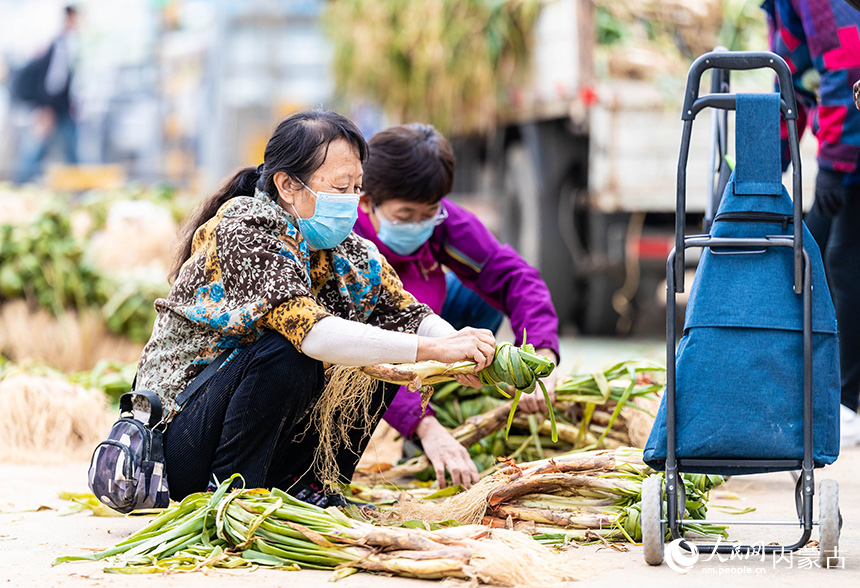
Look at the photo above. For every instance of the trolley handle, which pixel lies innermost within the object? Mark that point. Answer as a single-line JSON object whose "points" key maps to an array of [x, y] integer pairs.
{"points": [[726, 101], [739, 60]]}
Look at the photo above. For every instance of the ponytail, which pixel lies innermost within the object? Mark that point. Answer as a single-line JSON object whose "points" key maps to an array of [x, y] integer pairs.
{"points": [[241, 184]]}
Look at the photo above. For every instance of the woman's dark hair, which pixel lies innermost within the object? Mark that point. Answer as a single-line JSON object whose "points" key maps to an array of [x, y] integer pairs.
{"points": [[412, 162], [298, 147]]}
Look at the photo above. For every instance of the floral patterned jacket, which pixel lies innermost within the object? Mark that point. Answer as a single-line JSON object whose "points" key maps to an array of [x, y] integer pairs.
{"points": [[251, 271]]}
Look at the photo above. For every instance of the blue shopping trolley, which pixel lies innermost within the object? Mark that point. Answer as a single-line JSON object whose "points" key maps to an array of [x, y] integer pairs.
{"points": [[753, 385]]}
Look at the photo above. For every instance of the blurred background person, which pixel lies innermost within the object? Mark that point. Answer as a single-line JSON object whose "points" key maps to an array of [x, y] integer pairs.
{"points": [[405, 213], [44, 85], [823, 37]]}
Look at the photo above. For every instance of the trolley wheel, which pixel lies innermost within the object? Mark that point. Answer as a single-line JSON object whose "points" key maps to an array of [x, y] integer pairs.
{"points": [[829, 522], [651, 520]]}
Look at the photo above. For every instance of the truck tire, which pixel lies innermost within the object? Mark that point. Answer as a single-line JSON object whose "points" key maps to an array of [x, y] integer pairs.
{"points": [[529, 223], [604, 242]]}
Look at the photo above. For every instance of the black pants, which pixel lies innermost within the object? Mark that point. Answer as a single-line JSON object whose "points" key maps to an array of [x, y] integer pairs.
{"points": [[838, 238], [250, 418]]}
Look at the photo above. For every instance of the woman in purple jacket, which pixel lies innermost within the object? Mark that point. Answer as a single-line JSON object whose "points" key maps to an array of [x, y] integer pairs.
{"points": [[404, 212]]}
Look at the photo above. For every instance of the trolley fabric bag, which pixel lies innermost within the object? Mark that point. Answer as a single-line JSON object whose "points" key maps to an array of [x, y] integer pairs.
{"points": [[739, 363]]}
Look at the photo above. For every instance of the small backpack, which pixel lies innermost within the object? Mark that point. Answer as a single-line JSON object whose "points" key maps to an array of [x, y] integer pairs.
{"points": [[127, 469], [28, 82]]}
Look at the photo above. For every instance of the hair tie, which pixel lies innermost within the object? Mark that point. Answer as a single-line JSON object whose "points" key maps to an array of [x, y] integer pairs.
{"points": [[260, 169]]}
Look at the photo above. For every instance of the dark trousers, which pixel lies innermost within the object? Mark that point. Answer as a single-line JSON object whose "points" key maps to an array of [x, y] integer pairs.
{"points": [[34, 150], [250, 418], [838, 238]]}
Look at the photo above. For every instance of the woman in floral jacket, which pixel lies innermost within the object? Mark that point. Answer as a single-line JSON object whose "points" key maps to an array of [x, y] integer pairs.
{"points": [[271, 272]]}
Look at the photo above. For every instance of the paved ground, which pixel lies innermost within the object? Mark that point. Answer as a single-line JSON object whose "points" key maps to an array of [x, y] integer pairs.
{"points": [[30, 538]]}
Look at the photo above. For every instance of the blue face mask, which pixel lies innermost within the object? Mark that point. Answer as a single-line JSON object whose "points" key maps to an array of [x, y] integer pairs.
{"points": [[332, 221], [406, 238]]}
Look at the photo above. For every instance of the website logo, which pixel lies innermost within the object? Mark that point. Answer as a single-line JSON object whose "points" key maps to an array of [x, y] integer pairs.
{"points": [[681, 559]]}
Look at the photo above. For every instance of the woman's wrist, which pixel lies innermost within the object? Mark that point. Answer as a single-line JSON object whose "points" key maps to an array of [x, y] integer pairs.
{"points": [[427, 426], [549, 353], [426, 348]]}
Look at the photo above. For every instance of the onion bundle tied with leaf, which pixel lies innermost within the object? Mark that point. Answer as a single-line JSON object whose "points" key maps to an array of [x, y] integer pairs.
{"points": [[346, 401], [514, 371]]}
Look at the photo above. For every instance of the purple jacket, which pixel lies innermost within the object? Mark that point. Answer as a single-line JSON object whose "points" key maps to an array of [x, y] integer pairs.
{"points": [[494, 271]]}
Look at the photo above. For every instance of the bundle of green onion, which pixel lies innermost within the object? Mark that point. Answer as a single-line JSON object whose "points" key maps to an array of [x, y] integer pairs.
{"points": [[513, 372], [587, 495], [618, 385], [260, 528], [520, 368]]}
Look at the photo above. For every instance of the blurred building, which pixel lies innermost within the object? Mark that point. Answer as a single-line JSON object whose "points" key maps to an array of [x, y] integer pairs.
{"points": [[181, 91], [230, 71]]}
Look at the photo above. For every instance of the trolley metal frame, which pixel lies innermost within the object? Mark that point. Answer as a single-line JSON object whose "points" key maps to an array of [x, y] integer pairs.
{"points": [[721, 99]]}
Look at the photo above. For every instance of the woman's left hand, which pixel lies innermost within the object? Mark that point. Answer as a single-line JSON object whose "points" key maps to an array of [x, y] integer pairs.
{"points": [[535, 402], [470, 380], [446, 453]]}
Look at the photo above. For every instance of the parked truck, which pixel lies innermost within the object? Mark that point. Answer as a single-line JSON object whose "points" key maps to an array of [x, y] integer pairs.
{"points": [[584, 167]]}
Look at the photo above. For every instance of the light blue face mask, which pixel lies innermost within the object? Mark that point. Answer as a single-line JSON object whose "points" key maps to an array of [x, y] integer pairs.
{"points": [[406, 238], [332, 221]]}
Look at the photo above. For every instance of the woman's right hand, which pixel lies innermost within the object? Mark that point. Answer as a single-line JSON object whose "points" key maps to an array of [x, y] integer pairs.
{"points": [[467, 344]]}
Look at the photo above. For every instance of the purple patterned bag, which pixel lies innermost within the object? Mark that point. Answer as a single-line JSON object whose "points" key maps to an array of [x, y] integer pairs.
{"points": [[127, 469]]}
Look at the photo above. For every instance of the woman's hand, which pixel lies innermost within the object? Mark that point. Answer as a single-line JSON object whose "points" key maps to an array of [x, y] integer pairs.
{"points": [[535, 402], [467, 344], [446, 453]]}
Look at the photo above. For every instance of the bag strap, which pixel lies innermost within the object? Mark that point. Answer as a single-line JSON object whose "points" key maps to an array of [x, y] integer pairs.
{"points": [[155, 408], [126, 404], [201, 379]]}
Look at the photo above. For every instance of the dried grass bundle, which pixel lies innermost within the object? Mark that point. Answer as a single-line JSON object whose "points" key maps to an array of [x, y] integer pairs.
{"points": [[138, 236], [467, 507], [47, 420], [447, 62], [70, 342]]}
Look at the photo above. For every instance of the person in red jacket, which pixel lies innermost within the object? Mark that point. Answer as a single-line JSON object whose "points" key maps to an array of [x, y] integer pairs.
{"points": [[821, 38]]}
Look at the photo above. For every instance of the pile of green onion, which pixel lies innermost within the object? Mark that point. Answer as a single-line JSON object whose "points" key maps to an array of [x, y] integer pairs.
{"points": [[591, 494], [238, 528]]}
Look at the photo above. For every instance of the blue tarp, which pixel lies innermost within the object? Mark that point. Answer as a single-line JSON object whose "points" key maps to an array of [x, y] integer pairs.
{"points": [[739, 363]]}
